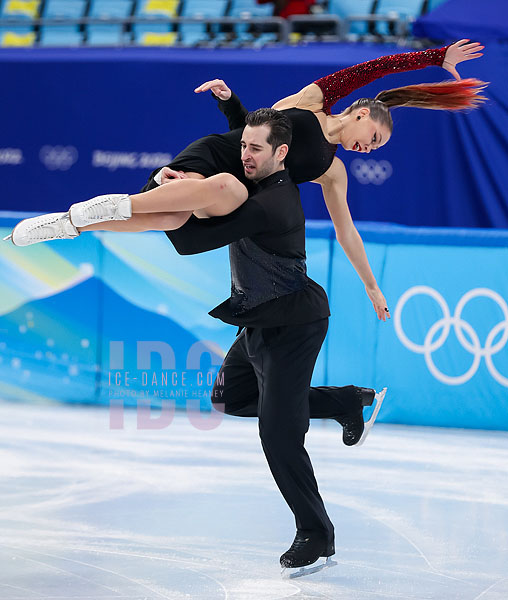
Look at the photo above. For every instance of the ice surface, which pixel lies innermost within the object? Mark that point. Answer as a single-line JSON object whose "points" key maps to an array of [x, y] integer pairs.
{"points": [[87, 512]]}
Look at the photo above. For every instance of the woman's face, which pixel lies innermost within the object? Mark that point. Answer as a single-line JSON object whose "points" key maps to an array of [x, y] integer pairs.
{"points": [[361, 134]]}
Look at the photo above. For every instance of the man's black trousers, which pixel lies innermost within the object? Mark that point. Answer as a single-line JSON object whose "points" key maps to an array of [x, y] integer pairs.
{"points": [[267, 374]]}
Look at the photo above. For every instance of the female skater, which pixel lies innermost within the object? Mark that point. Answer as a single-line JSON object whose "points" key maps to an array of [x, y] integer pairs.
{"points": [[213, 184]]}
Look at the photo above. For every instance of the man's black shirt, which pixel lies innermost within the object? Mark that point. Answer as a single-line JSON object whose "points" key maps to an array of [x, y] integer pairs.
{"points": [[272, 218]]}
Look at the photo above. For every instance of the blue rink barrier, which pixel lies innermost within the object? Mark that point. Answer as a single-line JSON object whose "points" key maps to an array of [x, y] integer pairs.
{"points": [[122, 319]]}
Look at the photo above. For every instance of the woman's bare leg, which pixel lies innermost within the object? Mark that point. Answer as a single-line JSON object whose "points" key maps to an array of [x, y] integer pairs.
{"points": [[223, 192], [142, 222], [165, 208]]}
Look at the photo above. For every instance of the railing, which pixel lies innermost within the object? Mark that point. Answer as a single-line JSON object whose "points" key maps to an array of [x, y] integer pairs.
{"points": [[281, 25], [336, 24], [401, 26], [339, 28]]}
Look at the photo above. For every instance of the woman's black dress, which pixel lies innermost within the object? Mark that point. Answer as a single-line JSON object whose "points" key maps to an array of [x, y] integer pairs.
{"points": [[310, 154]]}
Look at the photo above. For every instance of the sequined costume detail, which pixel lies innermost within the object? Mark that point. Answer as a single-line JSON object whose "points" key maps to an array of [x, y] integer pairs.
{"points": [[258, 276], [341, 83]]}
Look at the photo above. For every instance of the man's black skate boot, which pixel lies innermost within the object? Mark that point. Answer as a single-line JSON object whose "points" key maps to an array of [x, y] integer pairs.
{"points": [[352, 423], [306, 548]]}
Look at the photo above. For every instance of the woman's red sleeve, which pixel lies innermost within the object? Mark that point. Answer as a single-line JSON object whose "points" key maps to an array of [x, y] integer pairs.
{"points": [[341, 83]]}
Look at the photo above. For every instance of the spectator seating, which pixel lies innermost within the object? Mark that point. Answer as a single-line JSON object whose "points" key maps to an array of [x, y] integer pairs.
{"points": [[403, 9], [195, 33], [156, 34], [161, 33], [108, 34], [62, 35], [17, 36], [63, 9], [19, 10], [349, 8], [107, 9], [250, 8], [157, 8]]}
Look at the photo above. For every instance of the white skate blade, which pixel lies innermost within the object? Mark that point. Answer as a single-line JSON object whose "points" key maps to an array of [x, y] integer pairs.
{"points": [[379, 397], [309, 570]]}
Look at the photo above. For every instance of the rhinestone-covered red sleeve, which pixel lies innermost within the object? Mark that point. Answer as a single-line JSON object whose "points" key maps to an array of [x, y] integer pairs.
{"points": [[341, 83]]}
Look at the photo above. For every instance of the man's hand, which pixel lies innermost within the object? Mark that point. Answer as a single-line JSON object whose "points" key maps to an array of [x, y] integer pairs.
{"points": [[379, 303], [218, 87], [459, 52], [168, 175]]}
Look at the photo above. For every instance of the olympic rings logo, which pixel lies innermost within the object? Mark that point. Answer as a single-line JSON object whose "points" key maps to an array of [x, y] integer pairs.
{"points": [[371, 171], [58, 158], [433, 342]]}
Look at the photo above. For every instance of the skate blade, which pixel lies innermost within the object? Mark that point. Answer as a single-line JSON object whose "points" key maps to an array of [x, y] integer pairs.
{"points": [[368, 425], [9, 238], [303, 571]]}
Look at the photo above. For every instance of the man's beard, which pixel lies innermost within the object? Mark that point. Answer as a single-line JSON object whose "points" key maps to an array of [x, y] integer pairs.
{"points": [[264, 170]]}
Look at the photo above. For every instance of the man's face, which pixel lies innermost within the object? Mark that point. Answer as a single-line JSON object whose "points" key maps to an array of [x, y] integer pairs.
{"points": [[258, 157]]}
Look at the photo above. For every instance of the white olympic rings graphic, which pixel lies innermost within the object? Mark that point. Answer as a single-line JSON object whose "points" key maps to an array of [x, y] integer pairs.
{"points": [[58, 158], [473, 346], [371, 171]]}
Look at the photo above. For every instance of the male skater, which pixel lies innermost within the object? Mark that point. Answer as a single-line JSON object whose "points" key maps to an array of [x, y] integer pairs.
{"points": [[283, 318]]}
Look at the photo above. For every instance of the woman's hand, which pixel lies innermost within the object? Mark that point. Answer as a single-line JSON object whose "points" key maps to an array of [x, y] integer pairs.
{"points": [[379, 303], [218, 87], [459, 52], [168, 175]]}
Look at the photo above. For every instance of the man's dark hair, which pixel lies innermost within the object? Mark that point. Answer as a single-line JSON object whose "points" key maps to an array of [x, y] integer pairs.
{"points": [[280, 126]]}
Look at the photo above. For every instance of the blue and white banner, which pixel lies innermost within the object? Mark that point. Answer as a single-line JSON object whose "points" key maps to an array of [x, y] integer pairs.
{"points": [[122, 319]]}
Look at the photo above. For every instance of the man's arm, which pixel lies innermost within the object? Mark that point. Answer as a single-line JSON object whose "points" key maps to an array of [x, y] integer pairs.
{"points": [[202, 235], [234, 111], [229, 103]]}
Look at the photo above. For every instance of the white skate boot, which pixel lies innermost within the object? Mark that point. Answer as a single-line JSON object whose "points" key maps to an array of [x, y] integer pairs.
{"points": [[53, 226], [113, 207]]}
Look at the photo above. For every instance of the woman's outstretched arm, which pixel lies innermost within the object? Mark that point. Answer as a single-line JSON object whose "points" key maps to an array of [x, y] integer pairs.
{"points": [[334, 186], [325, 92]]}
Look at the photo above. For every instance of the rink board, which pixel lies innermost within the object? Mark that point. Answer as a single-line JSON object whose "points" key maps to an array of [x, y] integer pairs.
{"points": [[122, 318]]}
